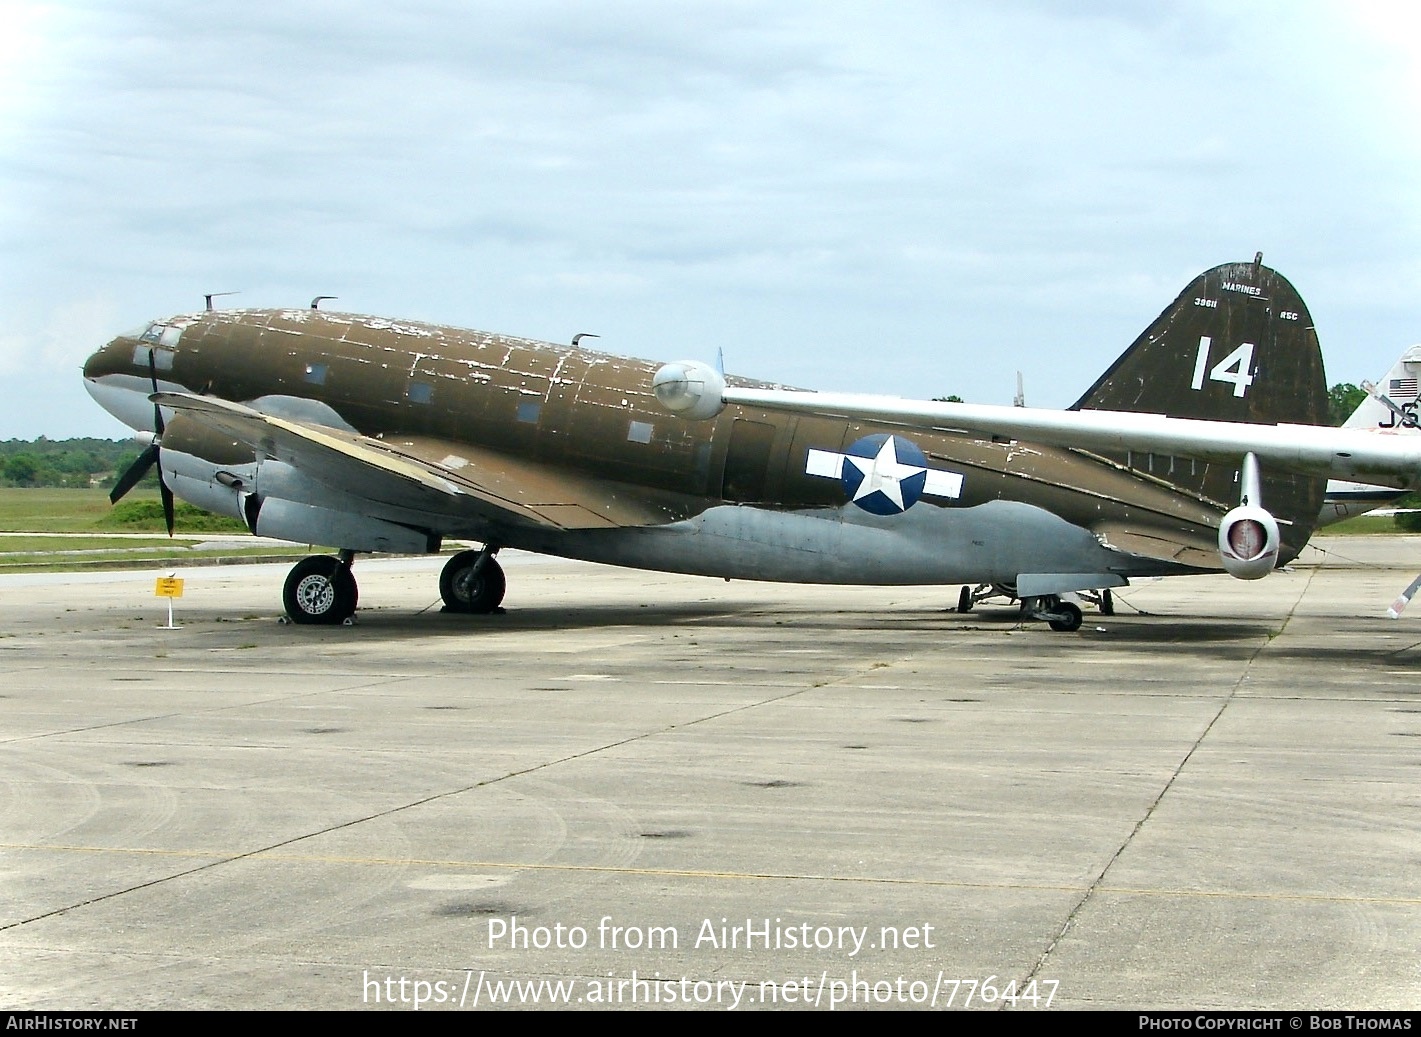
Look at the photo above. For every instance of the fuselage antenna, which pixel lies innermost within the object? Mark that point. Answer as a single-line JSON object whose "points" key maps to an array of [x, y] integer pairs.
{"points": [[316, 302], [213, 295]]}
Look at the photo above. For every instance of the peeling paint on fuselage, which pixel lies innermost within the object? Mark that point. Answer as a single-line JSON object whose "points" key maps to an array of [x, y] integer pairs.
{"points": [[587, 404]]}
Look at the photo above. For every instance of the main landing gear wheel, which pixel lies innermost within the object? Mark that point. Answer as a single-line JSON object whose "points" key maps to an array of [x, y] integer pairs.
{"points": [[320, 589], [465, 590], [965, 600]]}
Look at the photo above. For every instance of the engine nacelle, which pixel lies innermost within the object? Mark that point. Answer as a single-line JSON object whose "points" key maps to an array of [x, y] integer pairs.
{"points": [[690, 389], [1248, 543], [309, 524]]}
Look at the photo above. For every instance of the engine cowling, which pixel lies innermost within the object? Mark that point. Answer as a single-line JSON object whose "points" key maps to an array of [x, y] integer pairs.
{"points": [[1248, 543], [689, 388], [311, 524]]}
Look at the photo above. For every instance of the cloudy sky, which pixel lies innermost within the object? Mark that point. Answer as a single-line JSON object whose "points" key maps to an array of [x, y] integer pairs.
{"points": [[913, 198]]}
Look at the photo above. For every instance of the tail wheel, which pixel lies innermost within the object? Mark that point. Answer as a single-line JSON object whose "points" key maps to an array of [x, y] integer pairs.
{"points": [[465, 590], [320, 589], [1068, 616]]}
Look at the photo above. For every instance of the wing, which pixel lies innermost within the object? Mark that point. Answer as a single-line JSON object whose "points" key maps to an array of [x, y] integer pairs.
{"points": [[432, 475], [1389, 460]]}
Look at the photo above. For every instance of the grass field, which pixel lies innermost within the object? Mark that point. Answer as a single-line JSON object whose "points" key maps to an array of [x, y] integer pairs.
{"points": [[55, 511], [21, 543], [1362, 525], [89, 511], [88, 514]]}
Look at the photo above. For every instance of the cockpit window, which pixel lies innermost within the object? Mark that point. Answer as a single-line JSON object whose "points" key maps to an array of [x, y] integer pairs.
{"points": [[164, 334]]}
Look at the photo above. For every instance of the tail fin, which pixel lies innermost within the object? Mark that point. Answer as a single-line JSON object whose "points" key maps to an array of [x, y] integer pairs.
{"points": [[1237, 345], [1392, 402], [1389, 408]]}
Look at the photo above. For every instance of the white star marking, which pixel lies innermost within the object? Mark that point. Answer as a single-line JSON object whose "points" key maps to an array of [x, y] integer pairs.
{"points": [[883, 473]]}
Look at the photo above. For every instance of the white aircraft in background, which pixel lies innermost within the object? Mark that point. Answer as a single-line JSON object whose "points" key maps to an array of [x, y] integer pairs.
{"points": [[1389, 409]]}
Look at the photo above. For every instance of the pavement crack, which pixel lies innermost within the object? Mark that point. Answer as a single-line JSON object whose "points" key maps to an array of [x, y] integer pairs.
{"points": [[1169, 783]]}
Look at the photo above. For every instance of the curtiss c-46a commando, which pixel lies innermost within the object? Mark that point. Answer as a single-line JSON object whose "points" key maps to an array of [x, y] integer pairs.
{"points": [[375, 435]]}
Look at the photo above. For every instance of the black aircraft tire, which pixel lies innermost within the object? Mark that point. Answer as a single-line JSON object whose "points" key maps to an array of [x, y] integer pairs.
{"points": [[320, 590], [1107, 603], [462, 591], [1071, 620], [964, 600]]}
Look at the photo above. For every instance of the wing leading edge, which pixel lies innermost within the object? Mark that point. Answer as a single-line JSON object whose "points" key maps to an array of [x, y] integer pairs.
{"points": [[429, 474]]}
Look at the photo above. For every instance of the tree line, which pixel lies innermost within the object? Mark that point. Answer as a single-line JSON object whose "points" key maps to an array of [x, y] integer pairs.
{"points": [[69, 463]]}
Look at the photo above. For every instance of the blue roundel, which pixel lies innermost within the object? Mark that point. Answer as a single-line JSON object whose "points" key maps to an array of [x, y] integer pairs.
{"points": [[884, 474]]}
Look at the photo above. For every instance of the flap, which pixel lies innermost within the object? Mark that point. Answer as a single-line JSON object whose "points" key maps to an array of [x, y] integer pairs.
{"points": [[1200, 551]]}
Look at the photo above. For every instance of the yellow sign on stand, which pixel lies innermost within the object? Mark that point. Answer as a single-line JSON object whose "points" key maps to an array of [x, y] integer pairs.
{"points": [[169, 587]]}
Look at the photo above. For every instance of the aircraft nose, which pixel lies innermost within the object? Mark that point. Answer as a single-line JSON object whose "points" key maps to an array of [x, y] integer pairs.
{"points": [[102, 362], [111, 378]]}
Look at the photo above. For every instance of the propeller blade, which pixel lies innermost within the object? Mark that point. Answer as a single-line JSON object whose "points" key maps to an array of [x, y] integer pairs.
{"points": [[136, 471], [167, 496], [1403, 599], [153, 377], [148, 458]]}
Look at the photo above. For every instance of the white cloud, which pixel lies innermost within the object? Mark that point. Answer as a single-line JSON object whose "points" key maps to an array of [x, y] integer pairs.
{"points": [[1029, 182], [60, 339]]}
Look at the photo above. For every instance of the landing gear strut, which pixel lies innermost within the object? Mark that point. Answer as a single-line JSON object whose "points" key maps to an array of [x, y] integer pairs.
{"points": [[1062, 614], [472, 581], [321, 589], [1102, 599], [970, 596]]}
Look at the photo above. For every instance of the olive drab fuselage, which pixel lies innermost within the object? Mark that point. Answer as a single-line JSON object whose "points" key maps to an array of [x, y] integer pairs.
{"points": [[371, 434]]}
